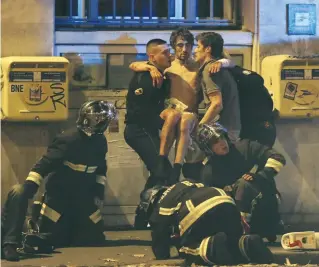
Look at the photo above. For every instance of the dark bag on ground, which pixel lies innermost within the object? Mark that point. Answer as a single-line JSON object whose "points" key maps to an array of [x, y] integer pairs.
{"points": [[34, 242]]}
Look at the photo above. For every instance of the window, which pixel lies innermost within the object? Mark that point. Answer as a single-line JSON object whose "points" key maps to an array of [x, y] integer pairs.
{"points": [[87, 70], [101, 71], [66, 8], [128, 8], [119, 74], [95, 71], [147, 13], [238, 59]]}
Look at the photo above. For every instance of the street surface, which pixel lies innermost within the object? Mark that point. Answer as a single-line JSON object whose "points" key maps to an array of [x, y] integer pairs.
{"points": [[132, 248]]}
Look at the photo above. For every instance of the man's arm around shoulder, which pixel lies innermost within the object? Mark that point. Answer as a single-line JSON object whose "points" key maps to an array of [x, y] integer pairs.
{"points": [[157, 76]]}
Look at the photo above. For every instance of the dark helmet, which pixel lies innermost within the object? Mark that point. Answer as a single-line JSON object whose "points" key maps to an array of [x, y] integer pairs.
{"points": [[150, 197], [95, 116], [210, 134]]}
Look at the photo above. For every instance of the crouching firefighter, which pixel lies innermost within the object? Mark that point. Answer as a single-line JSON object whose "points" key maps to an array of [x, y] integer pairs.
{"points": [[246, 170], [75, 167], [203, 223]]}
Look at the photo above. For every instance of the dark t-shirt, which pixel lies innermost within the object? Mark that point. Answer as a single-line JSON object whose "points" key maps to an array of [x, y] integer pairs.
{"points": [[224, 83]]}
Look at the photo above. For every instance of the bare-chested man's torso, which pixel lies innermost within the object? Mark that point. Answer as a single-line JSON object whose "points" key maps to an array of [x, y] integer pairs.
{"points": [[183, 82]]}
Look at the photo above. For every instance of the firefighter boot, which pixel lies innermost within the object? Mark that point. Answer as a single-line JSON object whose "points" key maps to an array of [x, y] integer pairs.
{"points": [[253, 250], [10, 252]]}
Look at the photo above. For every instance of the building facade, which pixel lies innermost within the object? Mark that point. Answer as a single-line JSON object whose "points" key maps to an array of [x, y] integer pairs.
{"points": [[100, 49]]}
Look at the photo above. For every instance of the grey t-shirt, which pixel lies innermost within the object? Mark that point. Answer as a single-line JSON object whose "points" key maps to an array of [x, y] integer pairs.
{"points": [[223, 82]]}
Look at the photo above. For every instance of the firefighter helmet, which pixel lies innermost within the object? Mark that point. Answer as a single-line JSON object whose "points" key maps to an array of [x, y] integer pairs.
{"points": [[95, 116], [210, 134]]}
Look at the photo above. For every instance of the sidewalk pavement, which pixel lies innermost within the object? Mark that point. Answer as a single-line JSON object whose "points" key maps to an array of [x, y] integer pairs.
{"points": [[132, 248]]}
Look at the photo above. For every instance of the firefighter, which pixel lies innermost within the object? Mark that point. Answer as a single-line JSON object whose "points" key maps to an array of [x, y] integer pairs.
{"points": [[246, 170], [75, 167], [203, 223]]}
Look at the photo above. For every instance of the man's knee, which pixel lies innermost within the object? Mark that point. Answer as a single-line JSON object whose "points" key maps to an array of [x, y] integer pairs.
{"points": [[187, 123], [171, 116]]}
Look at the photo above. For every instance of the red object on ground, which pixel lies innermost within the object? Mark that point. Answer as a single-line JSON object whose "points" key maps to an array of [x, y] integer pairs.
{"points": [[297, 243]]}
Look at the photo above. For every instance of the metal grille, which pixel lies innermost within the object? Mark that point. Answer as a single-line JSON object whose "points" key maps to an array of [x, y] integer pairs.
{"points": [[146, 13]]}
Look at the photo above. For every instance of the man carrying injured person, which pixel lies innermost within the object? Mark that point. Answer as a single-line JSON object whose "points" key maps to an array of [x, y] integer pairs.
{"points": [[203, 223], [245, 169], [75, 167], [184, 97]]}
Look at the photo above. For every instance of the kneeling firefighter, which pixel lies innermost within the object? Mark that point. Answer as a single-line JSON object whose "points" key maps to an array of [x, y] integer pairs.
{"points": [[75, 167], [245, 169], [203, 223]]}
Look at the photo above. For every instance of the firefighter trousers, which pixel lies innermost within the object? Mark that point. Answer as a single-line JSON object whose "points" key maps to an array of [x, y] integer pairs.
{"points": [[70, 220], [218, 239], [258, 204], [199, 244]]}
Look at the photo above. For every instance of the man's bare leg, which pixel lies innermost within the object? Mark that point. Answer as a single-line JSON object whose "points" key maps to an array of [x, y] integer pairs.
{"points": [[171, 118], [186, 126]]}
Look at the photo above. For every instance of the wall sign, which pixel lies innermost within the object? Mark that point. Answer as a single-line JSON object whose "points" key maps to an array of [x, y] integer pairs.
{"points": [[301, 19]]}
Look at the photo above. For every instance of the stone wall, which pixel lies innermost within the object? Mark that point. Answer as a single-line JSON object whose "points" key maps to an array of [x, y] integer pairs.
{"points": [[297, 139], [27, 29]]}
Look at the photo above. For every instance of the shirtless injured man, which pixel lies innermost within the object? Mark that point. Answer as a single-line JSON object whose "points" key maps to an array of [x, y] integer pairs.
{"points": [[181, 113]]}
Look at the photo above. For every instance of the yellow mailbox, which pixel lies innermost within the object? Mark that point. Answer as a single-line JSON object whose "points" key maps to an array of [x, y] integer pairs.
{"points": [[34, 88], [294, 84]]}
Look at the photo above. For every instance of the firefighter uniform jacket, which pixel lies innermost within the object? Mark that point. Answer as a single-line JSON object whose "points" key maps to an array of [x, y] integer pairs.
{"points": [[73, 162], [181, 206], [245, 156], [144, 102]]}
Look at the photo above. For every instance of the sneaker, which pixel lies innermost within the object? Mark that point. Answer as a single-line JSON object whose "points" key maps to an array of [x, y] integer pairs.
{"points": [[307, 240], [10, 252]]}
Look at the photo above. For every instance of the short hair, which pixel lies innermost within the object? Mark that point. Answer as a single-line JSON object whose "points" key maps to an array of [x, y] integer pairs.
{"points": [[154, 42], [184, 33], [213, 40]]}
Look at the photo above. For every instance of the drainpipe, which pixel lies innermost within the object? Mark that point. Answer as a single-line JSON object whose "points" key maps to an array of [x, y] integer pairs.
{"points": [[255, 52]]}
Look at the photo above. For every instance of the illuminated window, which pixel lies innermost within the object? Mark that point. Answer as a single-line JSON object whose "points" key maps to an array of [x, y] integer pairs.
{"points": [[140, 8], [147, 13]]}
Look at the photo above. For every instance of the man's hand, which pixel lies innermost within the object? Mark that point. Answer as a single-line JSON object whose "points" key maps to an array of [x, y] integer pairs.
{"points": [[214, 67], [248, 177], [157, 77]]}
